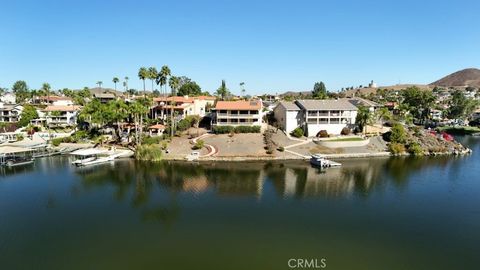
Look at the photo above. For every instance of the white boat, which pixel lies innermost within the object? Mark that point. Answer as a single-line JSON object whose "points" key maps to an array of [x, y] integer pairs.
{"points": [[91, 156], [321, 161]]}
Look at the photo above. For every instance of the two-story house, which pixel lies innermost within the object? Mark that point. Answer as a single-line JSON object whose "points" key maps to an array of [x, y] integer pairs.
{"points": [[53, 100], [10, 113], [316, 115], [239, 112], [61, 115]]}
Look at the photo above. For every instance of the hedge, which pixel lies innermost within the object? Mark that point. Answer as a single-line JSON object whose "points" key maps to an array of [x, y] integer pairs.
{"points": [[237, 129]]}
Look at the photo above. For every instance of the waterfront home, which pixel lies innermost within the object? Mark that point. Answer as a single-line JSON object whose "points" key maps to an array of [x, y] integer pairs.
{"points": [[105, 97], [182, 106], [10, 113], [436, 115], [61, 115], [8, 98], [288, 116], [331, 115], [239, 112], [53, 100]]}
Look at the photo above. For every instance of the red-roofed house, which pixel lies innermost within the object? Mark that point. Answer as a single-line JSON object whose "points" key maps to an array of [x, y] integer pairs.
{"points": [[182, 105], [54, 100], [239, 112]]}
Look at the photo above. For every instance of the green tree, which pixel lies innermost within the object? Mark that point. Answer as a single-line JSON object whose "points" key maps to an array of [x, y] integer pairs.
{"points": [[29, 113], [461, 106], [418, 102], [115, 80], [190, 88], [222, 91], [143, 75], [398, 135], [242, 88], [319, 91], [20, 89], [383, 114], [99, 83], [364, 117]]}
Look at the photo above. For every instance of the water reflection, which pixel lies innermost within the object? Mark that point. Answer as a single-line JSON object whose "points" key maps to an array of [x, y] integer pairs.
{"points": [[295, 179]]}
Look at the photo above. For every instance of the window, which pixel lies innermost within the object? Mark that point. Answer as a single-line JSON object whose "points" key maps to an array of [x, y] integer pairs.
{"points": [[334, 120], [234, 120], [312, 113], [222, 120], [323, 113], [243, 120], [243, 112], [223, 111], [253, 112], [323, 121], [312, 120]]}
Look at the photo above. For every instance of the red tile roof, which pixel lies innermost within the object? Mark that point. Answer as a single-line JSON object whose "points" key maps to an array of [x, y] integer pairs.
{"points": [[157, 126], [239, 105]]}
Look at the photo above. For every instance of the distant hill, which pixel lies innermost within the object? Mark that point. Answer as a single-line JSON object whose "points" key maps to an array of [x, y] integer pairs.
{"points": [[397, 87], [462, 78]]}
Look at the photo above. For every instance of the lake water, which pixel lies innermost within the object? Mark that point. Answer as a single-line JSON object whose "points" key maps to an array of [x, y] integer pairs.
{"points": [[397, 213]]}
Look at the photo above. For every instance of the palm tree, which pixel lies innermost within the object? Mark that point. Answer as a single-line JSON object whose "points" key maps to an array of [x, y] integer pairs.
{"points": [[173, 83], [99, 83], [383, 114], [242, 87], [137, 109], [115, 80], [152, 75], [126, 83], [364, 117], [119, 109], [162, 77], [142, 75], [46, 89], [222, 91]]}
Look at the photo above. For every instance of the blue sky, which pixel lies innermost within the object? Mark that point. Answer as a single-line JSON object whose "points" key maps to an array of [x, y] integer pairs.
{"points": [[272, 46]]}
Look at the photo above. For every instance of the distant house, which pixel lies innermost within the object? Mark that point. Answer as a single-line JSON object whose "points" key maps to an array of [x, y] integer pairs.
{"points": [[8, 98], [10, 113], [239, 112], [182, 106], [436, 115], [316, 115], [105, 97], [61, 115], [371, 105], [53, 100]]}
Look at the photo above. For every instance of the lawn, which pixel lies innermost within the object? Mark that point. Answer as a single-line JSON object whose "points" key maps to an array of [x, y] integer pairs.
{"points": [[459, 130], [350, 139]]}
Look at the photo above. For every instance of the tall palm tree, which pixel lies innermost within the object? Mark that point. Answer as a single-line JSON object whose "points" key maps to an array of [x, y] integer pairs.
{"points": [[173, 83], [99, 83], [142, 75], [222, 91], [46, 89], [115, 80], [152, 75], [126, 83], [383, 114], [162, 77], [242, 87]]}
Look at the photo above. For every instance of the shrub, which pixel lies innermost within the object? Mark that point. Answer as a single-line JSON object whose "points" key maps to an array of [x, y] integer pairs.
{"points": [[198, 145], [151, 139], [148, 152], [415, 149], [298, 132], [345, 131], [269, 145], [57, 141], [19, 137], [281, 149], [322, 134], [222, 129], [398, 134], [396, 148], [164, 145], [247, 129]]}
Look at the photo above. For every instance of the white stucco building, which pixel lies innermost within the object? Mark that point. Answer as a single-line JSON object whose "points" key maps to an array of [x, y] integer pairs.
{"points": [[316, 115], [241, 112], [10, 113], [61, 115]]}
